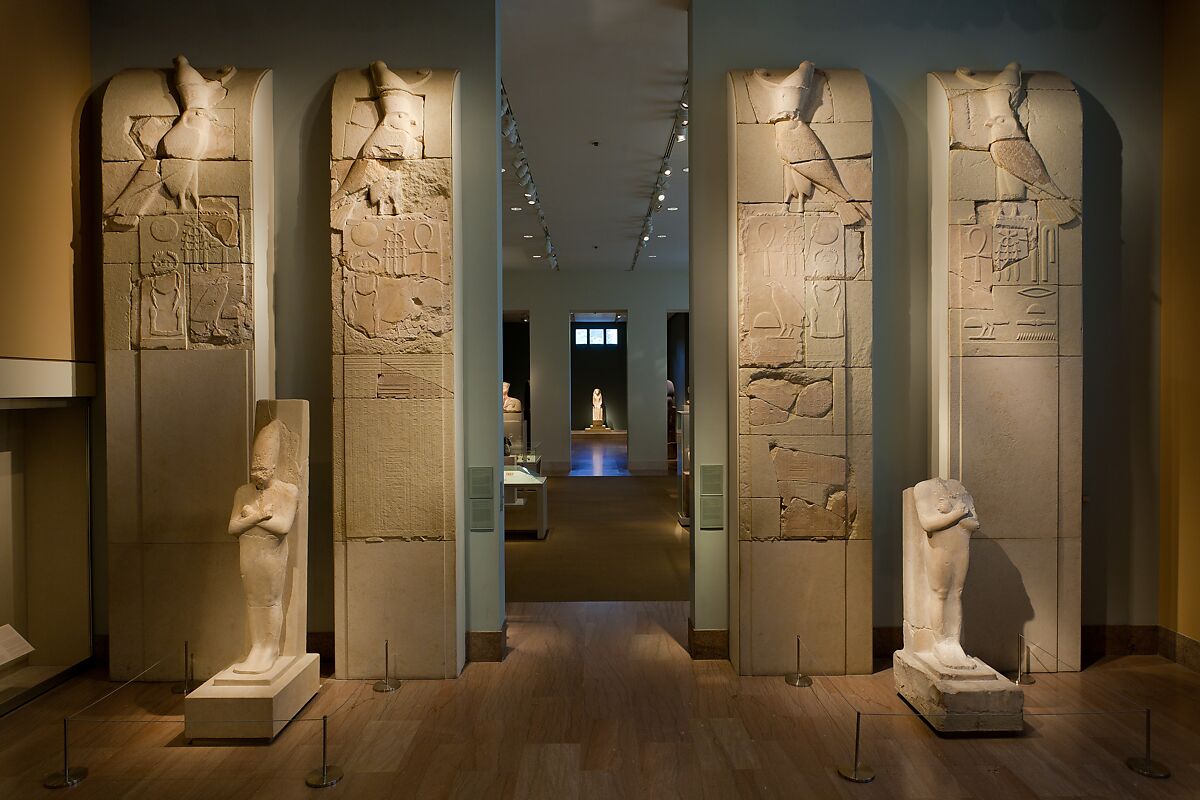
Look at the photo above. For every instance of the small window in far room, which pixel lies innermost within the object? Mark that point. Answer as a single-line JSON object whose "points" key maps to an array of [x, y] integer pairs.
{"points": [[610, 336], [595, 336], [580, 337]]}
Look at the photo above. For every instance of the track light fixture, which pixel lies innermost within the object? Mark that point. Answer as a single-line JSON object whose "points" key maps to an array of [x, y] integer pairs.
{"points": [[510, 133], [659, 194]]}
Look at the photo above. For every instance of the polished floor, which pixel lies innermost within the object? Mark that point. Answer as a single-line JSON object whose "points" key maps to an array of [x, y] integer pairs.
{"points": [[614, 538], [600, 700], [599, 455]]}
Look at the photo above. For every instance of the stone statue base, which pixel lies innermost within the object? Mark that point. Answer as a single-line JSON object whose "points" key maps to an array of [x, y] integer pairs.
{"points": [[958, 700], [232, 705], [597, 425]]}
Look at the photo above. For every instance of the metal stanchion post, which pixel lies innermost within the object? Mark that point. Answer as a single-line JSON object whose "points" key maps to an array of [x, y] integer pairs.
{"points": [[184, 688], [859, 772], [1023, 676], [69, 775], [328, 774], [1145, 765], [387, 684], [797, 678]]}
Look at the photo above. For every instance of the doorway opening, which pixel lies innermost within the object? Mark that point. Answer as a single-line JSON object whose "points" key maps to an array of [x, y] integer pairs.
{"points": [[599, 394]]}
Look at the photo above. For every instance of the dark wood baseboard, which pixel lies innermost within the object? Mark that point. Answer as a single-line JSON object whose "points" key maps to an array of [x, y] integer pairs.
{"points": [[711, 644], [1183, 650], [487, 645]]}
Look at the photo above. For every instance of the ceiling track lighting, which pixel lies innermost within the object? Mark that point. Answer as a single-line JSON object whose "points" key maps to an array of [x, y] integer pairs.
{"points": [[511, 134], [661, 184]]}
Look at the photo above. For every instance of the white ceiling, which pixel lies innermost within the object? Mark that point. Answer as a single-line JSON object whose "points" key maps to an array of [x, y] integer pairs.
{"points": [[579, 71]]}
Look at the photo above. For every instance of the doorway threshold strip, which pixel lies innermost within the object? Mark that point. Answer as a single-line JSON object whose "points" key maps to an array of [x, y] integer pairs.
{"points": [[662, 181], [509, 132]]}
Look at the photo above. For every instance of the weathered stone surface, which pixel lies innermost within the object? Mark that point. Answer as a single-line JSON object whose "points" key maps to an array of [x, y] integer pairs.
{"points": [[803, 188], [1006, 371], [392, 294], [986, 704], [178, 185]]}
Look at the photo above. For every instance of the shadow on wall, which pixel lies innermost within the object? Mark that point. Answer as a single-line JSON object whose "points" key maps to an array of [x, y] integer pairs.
{"points": [[302, 285], [990, 628], [896, 363], [951, 15], [1115, 335]]}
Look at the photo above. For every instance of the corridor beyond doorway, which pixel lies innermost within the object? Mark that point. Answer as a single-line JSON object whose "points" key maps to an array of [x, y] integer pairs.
{"points": [[592, 553]]}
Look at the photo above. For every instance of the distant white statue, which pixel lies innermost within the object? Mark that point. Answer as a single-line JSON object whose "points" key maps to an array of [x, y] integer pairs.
{"points": [[264, 511], [510, 404], [597, 408], [946, 512]]}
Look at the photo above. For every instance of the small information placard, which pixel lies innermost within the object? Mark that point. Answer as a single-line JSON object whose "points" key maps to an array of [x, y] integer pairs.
{"points": [[12, 645]]}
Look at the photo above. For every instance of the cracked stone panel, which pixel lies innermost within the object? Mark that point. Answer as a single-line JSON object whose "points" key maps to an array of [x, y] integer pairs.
{"points": [[184, 215], [803, 188], [392, 295], [1007, 282]]}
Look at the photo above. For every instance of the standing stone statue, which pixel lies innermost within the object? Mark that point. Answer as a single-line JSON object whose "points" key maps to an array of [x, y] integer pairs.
{"points": [[952, 690], [597, 408], [264, 511], [947, 515], [255, 697]]}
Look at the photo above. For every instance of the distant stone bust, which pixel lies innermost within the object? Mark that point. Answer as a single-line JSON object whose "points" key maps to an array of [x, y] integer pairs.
{"points": [[510, 404]]}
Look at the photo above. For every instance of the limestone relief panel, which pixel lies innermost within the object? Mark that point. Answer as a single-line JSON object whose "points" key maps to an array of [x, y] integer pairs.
{"points": [[186, 258], [392, 293], [1007, 295], [803, 232]]}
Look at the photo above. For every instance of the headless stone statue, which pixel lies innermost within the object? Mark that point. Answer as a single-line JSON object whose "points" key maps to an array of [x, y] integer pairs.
{"points": [[947, 514], [264, 511], [510, 404]]}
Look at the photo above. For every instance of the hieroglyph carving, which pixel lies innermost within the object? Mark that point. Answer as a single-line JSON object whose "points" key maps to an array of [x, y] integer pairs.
{"points": [[180, 212], [390, 213], [1009, 218], [803, 344], [804, 295]]}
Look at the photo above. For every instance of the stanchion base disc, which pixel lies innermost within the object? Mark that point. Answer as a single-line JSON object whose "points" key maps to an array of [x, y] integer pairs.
{"points": [[1147, 767], [61, 780], [1025, 680], [389, 685], [323, 779], [863, 774], [797, 679]]}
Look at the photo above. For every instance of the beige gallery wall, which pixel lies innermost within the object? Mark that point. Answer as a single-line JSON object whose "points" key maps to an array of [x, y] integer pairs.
{"points": [[46, 308]]}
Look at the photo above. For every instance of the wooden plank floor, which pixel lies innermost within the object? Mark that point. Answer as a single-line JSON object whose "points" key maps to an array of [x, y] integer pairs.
{"points": [[600, 700]]}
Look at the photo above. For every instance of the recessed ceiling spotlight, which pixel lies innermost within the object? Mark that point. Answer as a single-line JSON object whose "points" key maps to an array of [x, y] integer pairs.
{"points": [[662, 236], [661, 197], [527, 236], [667, 172], [527, 194], [532, 202], [684, 123], [672, 208], [502, 169], [651, 256], [683, 104], [514, 208], [682, 137], [646, 238], [537, 256]]}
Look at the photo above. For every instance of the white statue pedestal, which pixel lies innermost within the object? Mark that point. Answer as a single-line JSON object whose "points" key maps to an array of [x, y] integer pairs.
{"points": [[230, 705], [974, 698]]}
